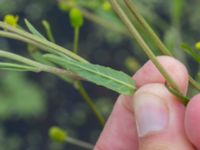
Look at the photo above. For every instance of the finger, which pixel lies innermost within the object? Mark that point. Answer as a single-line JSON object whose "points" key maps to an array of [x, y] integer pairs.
{"points": [[150, 74], [159, 118], [120, 129], [119, 132], [192, 121]]}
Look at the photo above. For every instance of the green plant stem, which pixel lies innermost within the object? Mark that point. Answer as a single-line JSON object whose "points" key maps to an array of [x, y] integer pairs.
{"points": [[17, 67], [48, 30], [147, 27], [103, 22], [42, 42], [10, 35], [79, 143], [194, 83], [38, 66], [79, 86], [164, 50], [76, 39], [184, 99], [142, 43], [89, 102], [21, 59]]}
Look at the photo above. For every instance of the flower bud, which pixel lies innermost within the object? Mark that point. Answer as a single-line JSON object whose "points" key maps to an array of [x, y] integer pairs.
{"points": [[11, 20], [197, 45], [57, 134], [76, 18]]}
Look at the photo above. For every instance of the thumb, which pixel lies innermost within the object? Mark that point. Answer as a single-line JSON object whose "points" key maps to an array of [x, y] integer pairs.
{"points": [[159, 118]]}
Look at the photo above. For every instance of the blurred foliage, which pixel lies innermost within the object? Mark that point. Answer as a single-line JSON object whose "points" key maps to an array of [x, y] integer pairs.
{"points": [[107, 43], [33, 9], [194, 18], [9, 142], [19, 97]]}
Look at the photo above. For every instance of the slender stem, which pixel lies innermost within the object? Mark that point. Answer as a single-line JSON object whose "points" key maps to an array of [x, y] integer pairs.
{"points": [[48, 30], [80, 87], [89, 102], [103, 22], [17, 67], [42, 41], [147, 28], [153, 35], [10, 35], [76, 39], [184, 99], [194, 83], [80, 143], [20, 59], [39, 67], [143, 44]]}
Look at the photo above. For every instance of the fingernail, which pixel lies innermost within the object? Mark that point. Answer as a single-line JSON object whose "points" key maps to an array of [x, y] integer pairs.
{"points": [[151, 113]]}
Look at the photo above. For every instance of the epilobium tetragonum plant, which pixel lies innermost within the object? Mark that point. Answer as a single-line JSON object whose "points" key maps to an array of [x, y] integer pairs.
{"points": [[69, 66]]}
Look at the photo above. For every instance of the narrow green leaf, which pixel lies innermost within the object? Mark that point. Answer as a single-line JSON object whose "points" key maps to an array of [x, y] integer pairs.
{"points": [[48, 30], [17, 67], [190, 51], [33, 30], [37, 55], [103, 76]]}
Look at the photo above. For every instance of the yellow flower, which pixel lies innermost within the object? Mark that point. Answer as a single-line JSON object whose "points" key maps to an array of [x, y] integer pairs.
{"points": [[11, 20], [197, 45]]}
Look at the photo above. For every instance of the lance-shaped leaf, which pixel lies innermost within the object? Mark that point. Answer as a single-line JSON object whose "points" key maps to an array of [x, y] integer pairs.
{"points": [[35, 53], [103, 76], [39, 66], [33, 30]]}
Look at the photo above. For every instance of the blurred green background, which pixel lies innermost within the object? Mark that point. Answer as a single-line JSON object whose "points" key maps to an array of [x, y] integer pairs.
{"points": [[31, 103]]}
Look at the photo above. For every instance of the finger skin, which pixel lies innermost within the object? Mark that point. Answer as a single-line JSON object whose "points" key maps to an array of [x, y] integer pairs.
{"points": [[192, 121], [119, 132], [173, 136], [120, 129], [150, 74]]}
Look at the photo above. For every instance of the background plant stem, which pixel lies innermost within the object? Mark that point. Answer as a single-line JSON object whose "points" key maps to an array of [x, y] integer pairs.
{"points": [[80, 143], [89, 102], [147, 28], [76, 39], [80, 87], [103, 22]]}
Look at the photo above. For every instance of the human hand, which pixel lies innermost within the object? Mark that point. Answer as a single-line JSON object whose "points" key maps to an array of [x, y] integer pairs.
{"points": [[154, 119]]}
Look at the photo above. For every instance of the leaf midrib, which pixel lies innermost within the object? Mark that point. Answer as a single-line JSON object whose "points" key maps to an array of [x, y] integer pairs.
{"points": [[103, 75]]}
